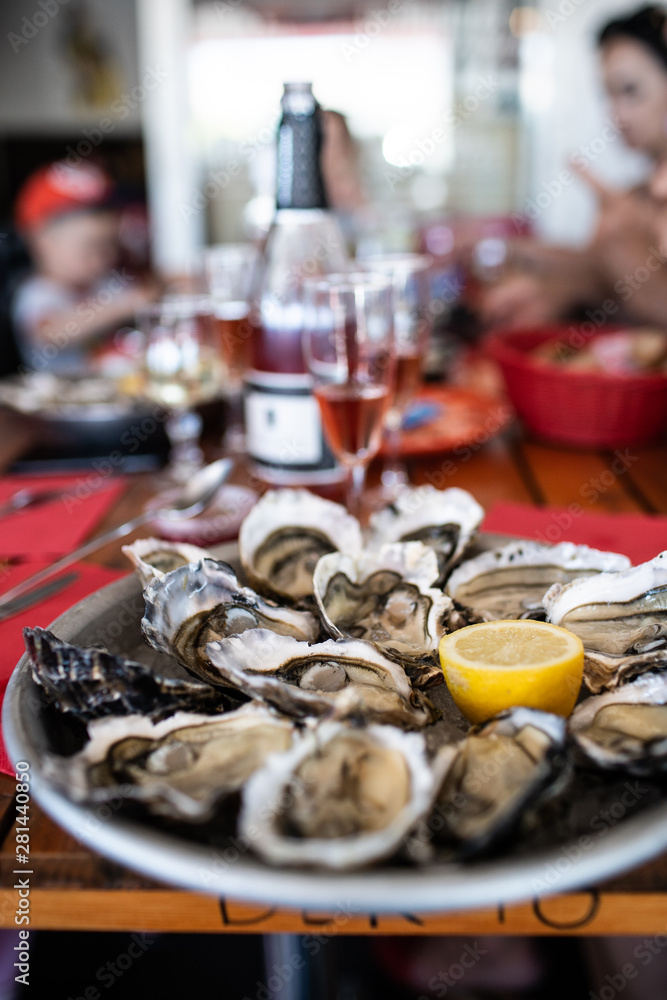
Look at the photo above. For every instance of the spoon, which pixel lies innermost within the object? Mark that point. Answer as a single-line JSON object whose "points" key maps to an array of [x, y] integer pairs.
{"points": [[195, 497]]}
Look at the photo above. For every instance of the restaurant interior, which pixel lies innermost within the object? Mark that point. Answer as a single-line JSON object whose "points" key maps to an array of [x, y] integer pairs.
{"points": [[338, 322]]}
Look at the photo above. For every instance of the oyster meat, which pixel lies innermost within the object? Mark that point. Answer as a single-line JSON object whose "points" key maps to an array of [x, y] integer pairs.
{"points": [[446, 520], [625, 729], [510, 582], [487, 781], [153, 557], [346, 677], [385, 597], [90, 683], [203, 601], [621, 619], [285, 534], [181, 767], [342, 797]]}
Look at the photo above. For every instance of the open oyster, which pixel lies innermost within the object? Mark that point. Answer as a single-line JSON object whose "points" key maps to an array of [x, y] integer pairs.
{"points": [[153, 557], [285, 534], [200, 602], [386, 597], [488, 780], [346, 677], [626, 728], [621, 619], [341, 797], [510, 582], [90, 683], [181, 767], [446, 520]]}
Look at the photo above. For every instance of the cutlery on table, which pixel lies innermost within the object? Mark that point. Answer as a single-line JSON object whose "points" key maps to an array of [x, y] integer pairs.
{"points": [[36, 595], [194, 498], [30, 496]]}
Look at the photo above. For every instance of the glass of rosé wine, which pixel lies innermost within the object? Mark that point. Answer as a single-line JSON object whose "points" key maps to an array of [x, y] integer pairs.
{"points": [[348, 344], [230, 272], [409, 274]]}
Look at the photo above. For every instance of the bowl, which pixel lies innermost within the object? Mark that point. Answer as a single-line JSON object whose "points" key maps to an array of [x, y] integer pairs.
{"points": [[587, 409]]}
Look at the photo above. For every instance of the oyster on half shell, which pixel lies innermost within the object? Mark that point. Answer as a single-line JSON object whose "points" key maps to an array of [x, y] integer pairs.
{"points": [[153, 557], [488, 780], [621, 619], [200, 602], [510, 581], [625, 729], [445, 520], [285, 534], [344, 677], [385, 597], [90, 683], [181, 767], [341, 798]]}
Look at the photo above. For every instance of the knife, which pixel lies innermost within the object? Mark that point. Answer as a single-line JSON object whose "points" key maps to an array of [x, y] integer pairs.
{"points": [[35, 596], [30, 497]]}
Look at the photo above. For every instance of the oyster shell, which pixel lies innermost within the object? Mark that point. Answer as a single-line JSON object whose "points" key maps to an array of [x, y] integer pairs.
{"points": [[445, 520], [285, 534], [90, 683], [346, 677], [153, 557], [342, 797], [510, 582], [181, 767], [487, 781], [621, 618], [627, 728], [200, 602], [385, 597]]}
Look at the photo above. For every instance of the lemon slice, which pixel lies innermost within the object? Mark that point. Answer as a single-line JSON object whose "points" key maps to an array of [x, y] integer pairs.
{"points": [[497, 665]]}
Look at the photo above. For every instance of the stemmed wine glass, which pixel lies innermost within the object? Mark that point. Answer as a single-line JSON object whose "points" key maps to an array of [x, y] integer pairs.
{"points": [[230, 270], [348, 342], [182, 367], [409, 275]]}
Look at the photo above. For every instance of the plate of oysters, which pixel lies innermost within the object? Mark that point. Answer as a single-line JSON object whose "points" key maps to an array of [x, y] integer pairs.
{"points": [[270, 721]]}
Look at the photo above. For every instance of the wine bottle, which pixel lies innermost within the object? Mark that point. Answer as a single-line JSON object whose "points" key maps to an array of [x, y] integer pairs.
{"points": [[283, 428]]}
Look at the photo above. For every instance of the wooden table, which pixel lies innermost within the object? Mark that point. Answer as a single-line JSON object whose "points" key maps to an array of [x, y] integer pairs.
{"points": [[73, 888]]}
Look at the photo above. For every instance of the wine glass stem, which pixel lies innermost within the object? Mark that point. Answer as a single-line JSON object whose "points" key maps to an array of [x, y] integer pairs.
{"points": [[394, 472], [356, 477], [183, 428]]}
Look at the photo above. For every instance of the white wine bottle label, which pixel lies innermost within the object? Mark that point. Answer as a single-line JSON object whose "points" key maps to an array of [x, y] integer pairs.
{"points": [[283, 430]]}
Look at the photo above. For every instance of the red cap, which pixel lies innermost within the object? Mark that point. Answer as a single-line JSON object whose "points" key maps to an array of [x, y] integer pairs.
{"points": [[59, 189]]}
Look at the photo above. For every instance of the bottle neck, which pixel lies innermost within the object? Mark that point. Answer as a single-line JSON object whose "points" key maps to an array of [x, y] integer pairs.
{"points": [[299, 183]]}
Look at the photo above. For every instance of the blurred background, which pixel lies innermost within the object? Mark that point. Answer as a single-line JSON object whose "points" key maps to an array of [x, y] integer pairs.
{"points": [[452, 106]]}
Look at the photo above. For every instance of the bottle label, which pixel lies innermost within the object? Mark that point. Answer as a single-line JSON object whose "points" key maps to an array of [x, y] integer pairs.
{"points": [[283, 429]]}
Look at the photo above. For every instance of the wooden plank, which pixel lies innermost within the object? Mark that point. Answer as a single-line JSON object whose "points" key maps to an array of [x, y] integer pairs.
{"points": [[594, 481], [486, 470], [648, 473], [586, 913]]}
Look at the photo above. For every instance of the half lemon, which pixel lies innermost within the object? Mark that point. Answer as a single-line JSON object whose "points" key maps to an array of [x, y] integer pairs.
{"points": [[498, 665]]}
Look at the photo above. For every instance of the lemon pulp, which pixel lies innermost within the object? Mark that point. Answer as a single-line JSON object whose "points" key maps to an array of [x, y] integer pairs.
{"points": [[499, 665]]}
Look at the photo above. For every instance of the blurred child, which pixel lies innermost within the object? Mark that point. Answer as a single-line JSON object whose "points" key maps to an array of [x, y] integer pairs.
{"points": [[76, 296]]}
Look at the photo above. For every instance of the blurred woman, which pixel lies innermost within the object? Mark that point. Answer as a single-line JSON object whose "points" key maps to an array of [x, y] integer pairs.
{"points": [[624, 261]]}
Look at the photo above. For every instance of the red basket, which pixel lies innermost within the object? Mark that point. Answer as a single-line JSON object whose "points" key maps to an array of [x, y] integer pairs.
{"points": [[591, 409]]}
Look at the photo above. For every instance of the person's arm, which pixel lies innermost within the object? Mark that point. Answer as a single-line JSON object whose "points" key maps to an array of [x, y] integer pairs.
{"points": [[89, 318]]}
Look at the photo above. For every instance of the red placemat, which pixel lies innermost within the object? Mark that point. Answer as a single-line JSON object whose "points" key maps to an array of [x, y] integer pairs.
{"points": [[638, 536], [464, 417], [55, 528], [89, 579]]}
